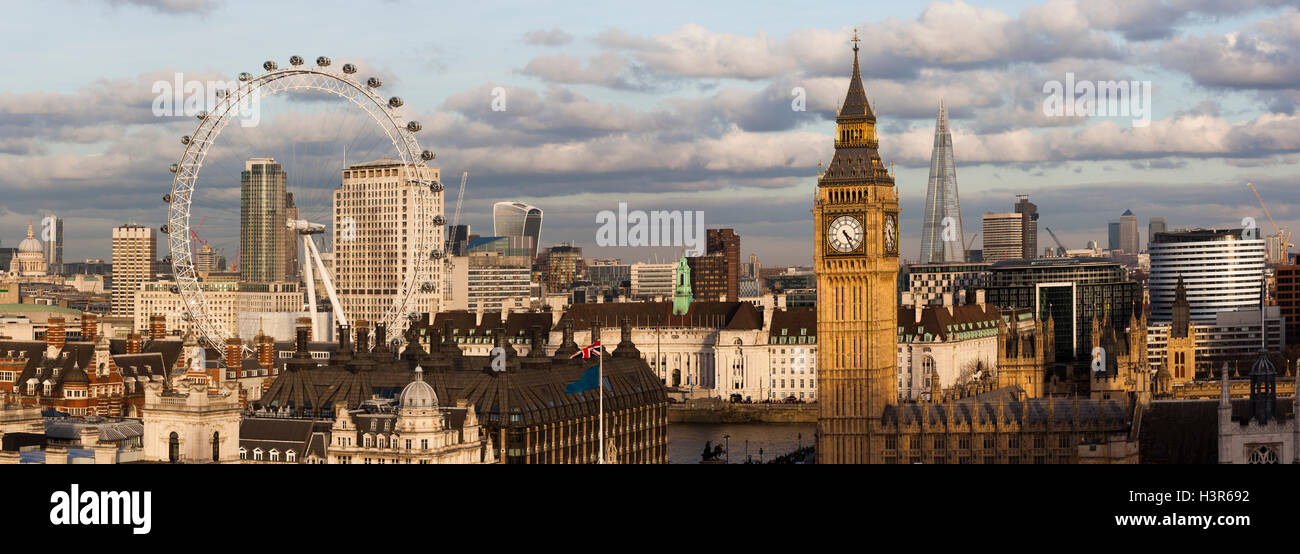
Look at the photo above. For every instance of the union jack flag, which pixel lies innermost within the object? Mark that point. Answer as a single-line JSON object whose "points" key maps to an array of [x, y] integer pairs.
{"points": [[588, 351]]}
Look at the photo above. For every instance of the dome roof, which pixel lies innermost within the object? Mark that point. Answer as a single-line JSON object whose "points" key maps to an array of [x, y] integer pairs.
{"points": [[76, 376], [31, 243], [418, 394]]}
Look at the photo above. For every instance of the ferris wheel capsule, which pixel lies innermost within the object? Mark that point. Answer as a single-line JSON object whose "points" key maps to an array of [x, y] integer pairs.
{"points": [[427, 155], [176, 289], [435, 254], [439, 220], [323, 61], [435, 186], [413, 126], [428, 286], [395, 102], [374, 82], [167, 198], [203, 114], [245, 77], [164, 230], [185, 140], [174, 168], [295, 60], [349, 68], [269, 65]]}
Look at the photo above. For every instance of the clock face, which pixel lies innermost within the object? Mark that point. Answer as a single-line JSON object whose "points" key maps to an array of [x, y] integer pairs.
{"points": [[891, 233], [844, 234]]}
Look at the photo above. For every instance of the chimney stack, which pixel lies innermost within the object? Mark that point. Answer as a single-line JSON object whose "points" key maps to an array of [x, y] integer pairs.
{"points": [[55, 335], [234, 358], [305, 322], [265, 354], [89, 327], [157, 327]]}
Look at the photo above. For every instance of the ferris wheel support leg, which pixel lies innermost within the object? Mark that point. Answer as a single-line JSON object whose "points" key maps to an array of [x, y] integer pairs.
{"points": [[311, 291], [339, 317]]}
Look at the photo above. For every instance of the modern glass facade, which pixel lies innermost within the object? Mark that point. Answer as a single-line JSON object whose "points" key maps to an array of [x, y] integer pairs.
{"points": [[1220, 269], [1069, 290], [941, 201], [516, 219]]}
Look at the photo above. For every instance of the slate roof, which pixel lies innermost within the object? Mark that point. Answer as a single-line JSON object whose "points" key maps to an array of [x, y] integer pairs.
{"points": [[965, 320], [303, 436], [724, 315], [1187, 431], [792, 322], [983, 410], [532, 386]]}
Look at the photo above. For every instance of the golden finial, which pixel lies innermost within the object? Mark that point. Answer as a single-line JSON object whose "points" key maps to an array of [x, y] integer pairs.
{"points": [[855, 39]]}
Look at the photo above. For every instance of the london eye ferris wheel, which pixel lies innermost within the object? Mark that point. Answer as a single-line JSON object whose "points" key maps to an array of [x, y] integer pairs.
{"points": [[326, 116]]}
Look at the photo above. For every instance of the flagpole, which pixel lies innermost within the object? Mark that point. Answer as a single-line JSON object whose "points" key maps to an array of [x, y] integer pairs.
{"points": [[600, 386]]}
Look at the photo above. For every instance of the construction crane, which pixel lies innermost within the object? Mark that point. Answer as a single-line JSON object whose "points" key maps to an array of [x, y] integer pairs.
{"points": [[1286, 238], [455, 220], [971, 242], [1060, 248]]}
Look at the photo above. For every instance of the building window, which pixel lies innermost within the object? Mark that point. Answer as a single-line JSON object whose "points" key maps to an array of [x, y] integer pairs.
{"points": [[257, 454], [243, 454], [216, 446], [275, 455], [174, 448], [1263, 454], [290, 456]]}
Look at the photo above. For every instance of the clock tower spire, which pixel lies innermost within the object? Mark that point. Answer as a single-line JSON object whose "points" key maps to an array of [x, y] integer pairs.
{"points": [[855, 255]]}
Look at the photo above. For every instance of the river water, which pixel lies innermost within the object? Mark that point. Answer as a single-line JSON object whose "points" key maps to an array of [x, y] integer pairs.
{"points": [[686, 440]]}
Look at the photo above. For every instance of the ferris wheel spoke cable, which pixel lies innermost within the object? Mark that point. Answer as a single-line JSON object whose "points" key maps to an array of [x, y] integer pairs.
{"points": [[210, 126]]}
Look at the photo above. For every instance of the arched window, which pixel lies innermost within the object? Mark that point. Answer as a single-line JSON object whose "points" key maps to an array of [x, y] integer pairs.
{"points": [[257, 454], [216, 446], [927, 369], [275, 455], [174, 448], [290, 456], [1264, 454], [243, 454]]}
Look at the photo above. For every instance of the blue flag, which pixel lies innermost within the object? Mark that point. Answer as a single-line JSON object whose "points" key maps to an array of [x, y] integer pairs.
{"points": [[589, 381]]}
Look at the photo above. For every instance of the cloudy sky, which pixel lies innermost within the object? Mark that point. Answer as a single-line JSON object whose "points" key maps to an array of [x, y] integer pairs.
{"points": [[673, 106]]}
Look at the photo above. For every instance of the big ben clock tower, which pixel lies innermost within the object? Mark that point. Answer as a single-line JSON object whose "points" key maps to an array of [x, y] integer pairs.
{"points": [[856, 261]]}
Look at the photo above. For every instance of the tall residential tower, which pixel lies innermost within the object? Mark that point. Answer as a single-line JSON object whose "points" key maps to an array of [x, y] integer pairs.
{"points": [[262, 243]]}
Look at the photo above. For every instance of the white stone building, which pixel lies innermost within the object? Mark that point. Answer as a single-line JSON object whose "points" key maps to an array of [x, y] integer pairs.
{"points": [[376, 221], [414, 430], [948, 343], [198, 424], [1263, 433]]}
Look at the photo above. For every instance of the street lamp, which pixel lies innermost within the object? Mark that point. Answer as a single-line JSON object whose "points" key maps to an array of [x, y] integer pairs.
{"points": [[727, 440]]}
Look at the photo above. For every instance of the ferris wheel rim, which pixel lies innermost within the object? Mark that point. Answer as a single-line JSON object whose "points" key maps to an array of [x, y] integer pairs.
{"points": [[211, 123]]}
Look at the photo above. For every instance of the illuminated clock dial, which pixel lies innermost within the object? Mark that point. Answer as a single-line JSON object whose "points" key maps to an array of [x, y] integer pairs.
{"points": [[845, 233]]}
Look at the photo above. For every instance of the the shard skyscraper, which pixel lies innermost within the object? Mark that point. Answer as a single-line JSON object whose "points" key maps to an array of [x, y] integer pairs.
{"points": [[941, 238]]}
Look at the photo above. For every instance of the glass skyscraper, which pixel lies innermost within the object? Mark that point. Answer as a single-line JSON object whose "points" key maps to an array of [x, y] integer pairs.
{"points": [[940, 242], [516, 219]]}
